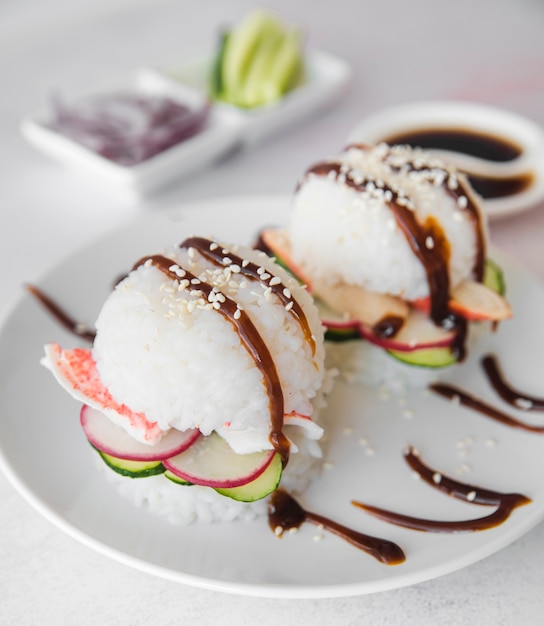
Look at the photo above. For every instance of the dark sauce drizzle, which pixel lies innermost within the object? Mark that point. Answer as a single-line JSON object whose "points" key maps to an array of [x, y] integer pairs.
{"points": [[285, 513], [505, 502], [253, 343], [512, 396], [63, 318], [218, 254], [465, 399]]}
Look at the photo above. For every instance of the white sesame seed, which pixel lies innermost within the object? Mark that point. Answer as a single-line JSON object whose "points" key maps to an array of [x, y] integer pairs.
{"points": [[278, 531], [429, 243], [437, 478], [245, 263], [237, 314], [462, 202], [260, 270], [287, 292], [275, 280], [471, 495], [523, 403], [289, 306], [213, 246]]}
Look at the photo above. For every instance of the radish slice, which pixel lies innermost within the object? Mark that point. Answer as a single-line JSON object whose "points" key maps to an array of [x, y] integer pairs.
{"points": [[474, 301], [211, 462], [115, 441], [279, 245], [418, 332], [76, 371]]}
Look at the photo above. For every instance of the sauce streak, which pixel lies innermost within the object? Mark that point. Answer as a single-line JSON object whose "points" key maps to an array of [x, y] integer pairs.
{"points": [[465, 399], [505, 502], [62, 317], [224, 258], [516, 398], [285, 513], [253, 343]]}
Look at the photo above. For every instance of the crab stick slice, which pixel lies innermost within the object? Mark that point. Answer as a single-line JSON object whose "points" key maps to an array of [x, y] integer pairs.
{"points": [[75, 370]]}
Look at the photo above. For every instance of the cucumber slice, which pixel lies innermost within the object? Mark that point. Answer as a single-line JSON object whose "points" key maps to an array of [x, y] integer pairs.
{"points": [[132, 469], [286, 69], [259, 488], [427, 357], [240, 50], [177, 479], [253, 92], [216, 73], [494, 277]]}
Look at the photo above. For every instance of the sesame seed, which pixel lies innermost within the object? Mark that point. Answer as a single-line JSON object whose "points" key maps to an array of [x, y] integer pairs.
{"points": [[462, 202], [265, 276], [237, 314], [523, 403], [289, 306], [278, 531], [213, 246], [429, 243], [287, 292], [437, 478], [245, 263], [471, 495], [275, 280]]}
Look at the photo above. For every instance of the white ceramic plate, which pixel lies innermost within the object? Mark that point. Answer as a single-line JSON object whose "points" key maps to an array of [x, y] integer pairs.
{"points": [[221, 134], [44, 453], [475, 117], [327, 78]]}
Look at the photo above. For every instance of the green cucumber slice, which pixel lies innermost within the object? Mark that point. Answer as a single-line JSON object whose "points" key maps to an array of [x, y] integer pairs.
{"points": [[286, 70], [132, 469], [259, 488], [494, 277], [427, 357], [216, 73], [177, 479], [240, 50]]}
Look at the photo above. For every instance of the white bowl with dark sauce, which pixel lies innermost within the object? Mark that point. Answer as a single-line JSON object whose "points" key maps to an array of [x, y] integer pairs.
{"points": [[501, 152]]}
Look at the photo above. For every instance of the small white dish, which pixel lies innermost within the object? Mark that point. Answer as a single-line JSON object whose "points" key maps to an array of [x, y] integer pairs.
{"points": [[220, 135], [473, 118], [327, 77]]}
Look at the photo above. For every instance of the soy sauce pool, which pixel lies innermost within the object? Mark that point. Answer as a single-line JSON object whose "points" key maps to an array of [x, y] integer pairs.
{"points": [[476, 144]]}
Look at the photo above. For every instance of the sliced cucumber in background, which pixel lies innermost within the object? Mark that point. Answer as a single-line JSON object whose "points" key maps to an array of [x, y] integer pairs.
{"points": [[257, 62]]}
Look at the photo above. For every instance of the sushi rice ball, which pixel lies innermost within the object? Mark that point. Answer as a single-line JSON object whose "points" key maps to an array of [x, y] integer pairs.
{"points": [[392, 243], [202, 387]]}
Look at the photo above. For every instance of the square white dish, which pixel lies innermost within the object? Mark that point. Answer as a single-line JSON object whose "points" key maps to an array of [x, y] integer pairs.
{"points": [[221, 134], [327, 78]]}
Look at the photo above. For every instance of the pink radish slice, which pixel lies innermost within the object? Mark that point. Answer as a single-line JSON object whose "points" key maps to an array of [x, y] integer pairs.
{"points": [[211, 462], [115, 441], [417, 333]]}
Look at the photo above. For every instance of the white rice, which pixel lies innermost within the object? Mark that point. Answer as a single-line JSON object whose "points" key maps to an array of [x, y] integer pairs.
{"points": [[340, 234], [185, 367]]}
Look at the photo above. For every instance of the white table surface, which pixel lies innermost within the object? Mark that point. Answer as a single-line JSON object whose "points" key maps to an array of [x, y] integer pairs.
{"points": [[490, 51]]}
